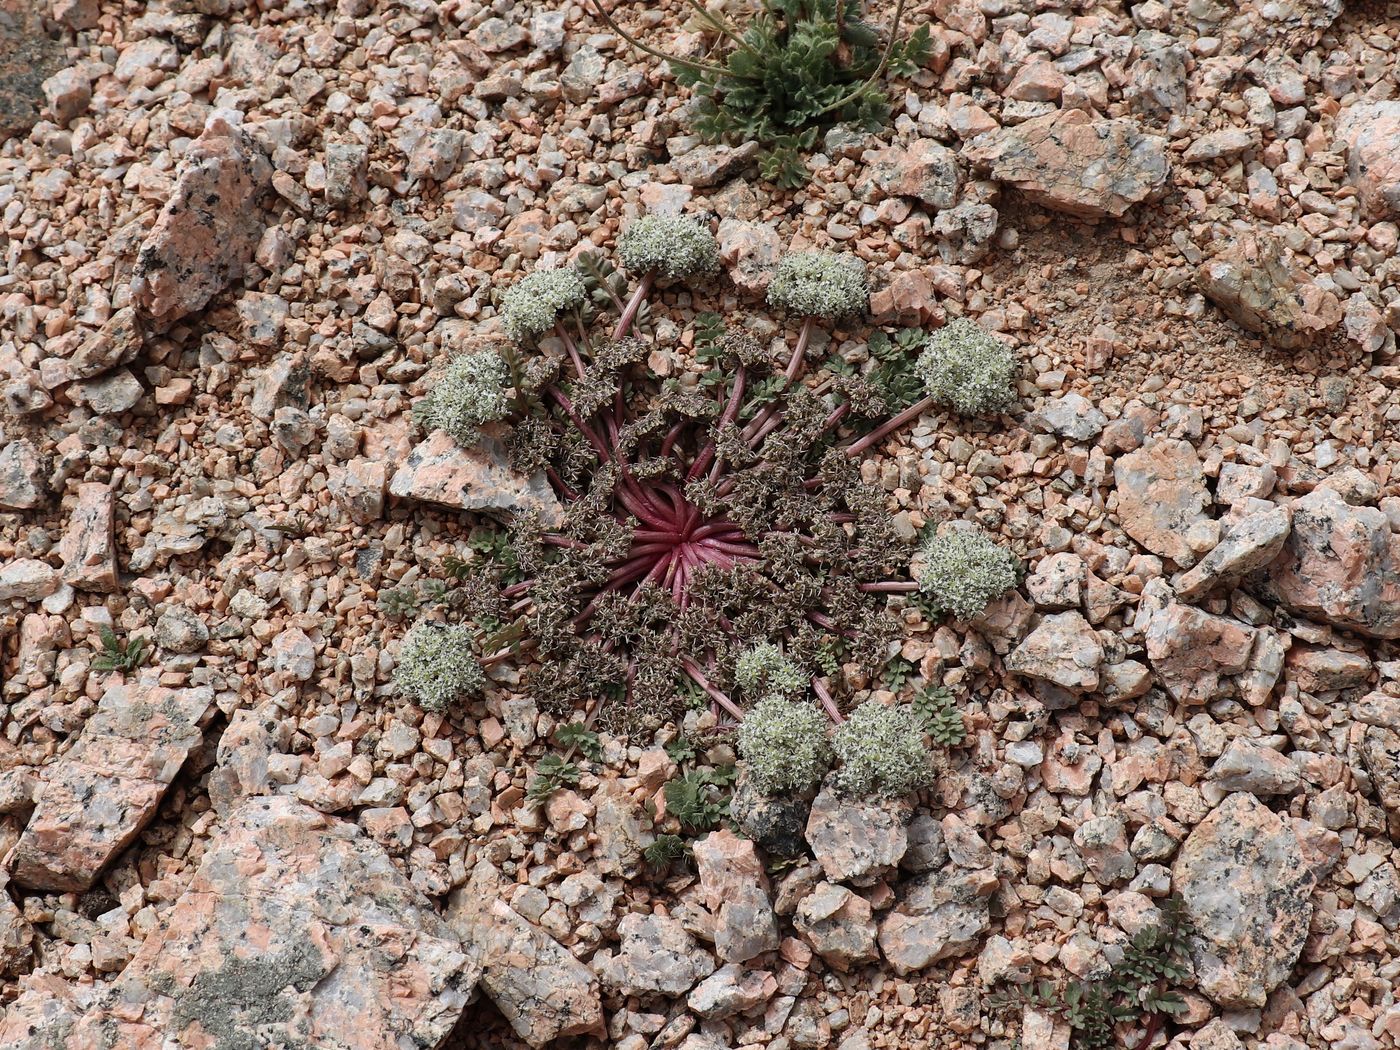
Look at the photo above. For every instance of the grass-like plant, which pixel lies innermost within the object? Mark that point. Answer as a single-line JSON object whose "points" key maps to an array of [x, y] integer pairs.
{"points": [[797, 68], [117, 655], [705, 514]]}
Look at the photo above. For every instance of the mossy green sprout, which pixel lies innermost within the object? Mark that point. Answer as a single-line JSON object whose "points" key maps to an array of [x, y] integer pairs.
{"points": [[967, 369], [670, 246], [533, 304], [820, 284], [763, 670], [438, 665], [964, 570], [784, 745], [472, 392], [882, 752]]}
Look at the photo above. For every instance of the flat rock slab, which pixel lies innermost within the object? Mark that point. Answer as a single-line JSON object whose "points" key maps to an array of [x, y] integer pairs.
{"points": [[1161, 495], [479, 479], [1247, 891], [27, 57], [1071, 163], [88, 547], [297, 931], [1262, 290], [208, 230], [99, 795]]}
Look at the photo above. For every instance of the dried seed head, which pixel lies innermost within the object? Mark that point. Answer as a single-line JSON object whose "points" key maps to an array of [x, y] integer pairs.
{"points": [[471, 392], [673, 246], [963, 571], [967, 369], [437, 665], [820, 284], [533, 303]]}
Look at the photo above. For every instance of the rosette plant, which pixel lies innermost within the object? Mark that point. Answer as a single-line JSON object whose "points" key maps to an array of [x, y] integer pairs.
{"points": [[716, 532]]}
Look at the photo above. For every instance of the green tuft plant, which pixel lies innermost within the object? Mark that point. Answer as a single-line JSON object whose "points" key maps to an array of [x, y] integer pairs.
{"points": [[665, 852], [968, 370], [552, 773], [578, 737], [784, 745], [699, 799], [471, 393], [798, 68], [1139, 995], [938, 711], [399, 603], [882, 753], [963, 571], [438, 664], [117, 655]]}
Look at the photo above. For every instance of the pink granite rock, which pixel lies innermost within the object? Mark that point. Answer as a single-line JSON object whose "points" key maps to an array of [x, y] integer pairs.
{"points": [[837, 924], [926, 170], [98, 796], [359, 488], [479, 478], [44, 1013], [735, 889], [1371, 133], [1161, 494], [23, 484], [940, 916], [1070, 162], [536, 983], [1191, 651], [208, 230], [116, 343], [1247, 893], [1262, 290], [1063, 650], [88, 548], [1341, 564], [296, 927]]}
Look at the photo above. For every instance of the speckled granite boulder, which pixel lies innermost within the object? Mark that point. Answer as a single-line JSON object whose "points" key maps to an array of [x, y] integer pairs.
{"points": [[479, 479]]}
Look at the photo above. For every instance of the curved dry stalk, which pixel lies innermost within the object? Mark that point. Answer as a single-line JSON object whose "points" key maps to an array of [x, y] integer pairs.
{"points": [[699, 67], [879, 70]]}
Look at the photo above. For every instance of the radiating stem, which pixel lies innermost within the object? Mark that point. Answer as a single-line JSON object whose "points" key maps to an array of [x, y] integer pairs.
{"points": [[569, 346], [911, 413], [624, 323], [828, 702], [698, 677], [890, 587]]}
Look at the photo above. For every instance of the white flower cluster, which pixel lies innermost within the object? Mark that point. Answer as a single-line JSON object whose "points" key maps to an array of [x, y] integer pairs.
{"points": [[471, 392], [963, 571], [968, 370], [533, 303], [673, 246], [882, 752], [820, 284], [437, 665], [784, 745], [763, 670]]}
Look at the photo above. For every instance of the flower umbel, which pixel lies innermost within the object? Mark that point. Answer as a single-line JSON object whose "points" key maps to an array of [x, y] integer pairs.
{"points": [[963, 571], [437, 664], [669, 245], [472, 392], [533, 304], [968, 370], [784, 745], [820, 284], [882, 752]]}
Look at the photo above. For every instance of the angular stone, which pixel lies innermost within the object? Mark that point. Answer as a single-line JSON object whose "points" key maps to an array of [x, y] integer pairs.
{"points": [[299, 928], [1253, 536], [750, 252], [43, 1014], [1192, 650], [98, 796], [1340, 564], [209, 228], [88, 547], [837, 924], [1063, 650], [1380, 754], [359, 488], [1103, 843], [1070, 162], [1247, 891], [1251, 767], [1317, 670], [68, 94], [776, 823], [117, 342], [27, 578], [479, 479], [110, 394], [731, 990], [940, 916], [536, 983], [347, 167], [1259, 288], [735, 889], [1161, 493], [657, 956], [621, 837], [925, 170], [1057, 582], [705, 166], [27, 56], [854, 839], [1371, 133], [23, 485], [1073, 416]]}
